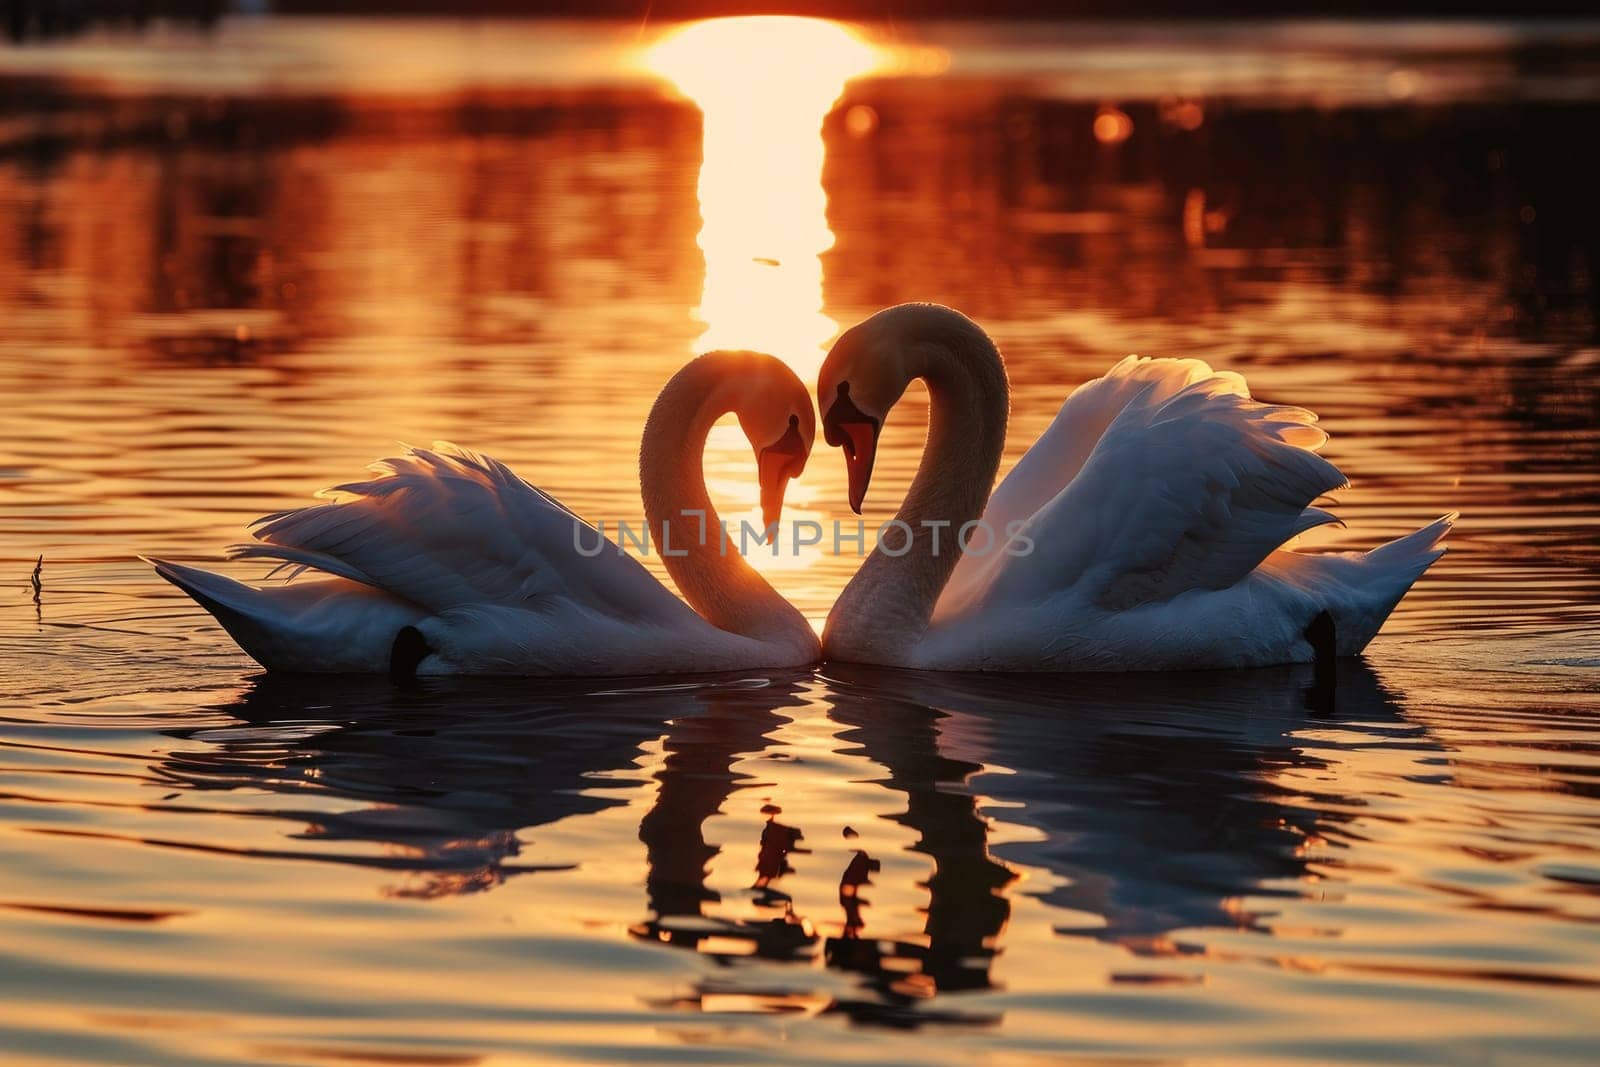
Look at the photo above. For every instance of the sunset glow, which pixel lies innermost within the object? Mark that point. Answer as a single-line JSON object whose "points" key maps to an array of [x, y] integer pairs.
{"points": [[764, 85]]}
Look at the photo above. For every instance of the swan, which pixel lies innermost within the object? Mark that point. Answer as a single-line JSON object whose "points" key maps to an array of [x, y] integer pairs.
{"points": [[1142, 531], [445, 562]]}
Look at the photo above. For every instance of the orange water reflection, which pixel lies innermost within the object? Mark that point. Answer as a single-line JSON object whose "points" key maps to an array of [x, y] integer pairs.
{"points": [[763, 85]]}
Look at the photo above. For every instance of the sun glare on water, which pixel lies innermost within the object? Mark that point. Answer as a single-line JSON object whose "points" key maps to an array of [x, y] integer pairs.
{"points": [[764, 85]]}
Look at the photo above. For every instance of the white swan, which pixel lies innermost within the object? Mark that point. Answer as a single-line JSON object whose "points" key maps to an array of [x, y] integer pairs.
{"points": [[446, 562], [1156, 506]]}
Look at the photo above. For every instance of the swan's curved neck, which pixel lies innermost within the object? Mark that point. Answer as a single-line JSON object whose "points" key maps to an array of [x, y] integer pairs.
{"points": [[885, 609], [684, 526]]}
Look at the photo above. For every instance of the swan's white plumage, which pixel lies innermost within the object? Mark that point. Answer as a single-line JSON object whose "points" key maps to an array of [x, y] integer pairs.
{"points": [[483, 564], [1187, 494], [447, 527], [1157, 504], [1064, 447], [327, 625]]}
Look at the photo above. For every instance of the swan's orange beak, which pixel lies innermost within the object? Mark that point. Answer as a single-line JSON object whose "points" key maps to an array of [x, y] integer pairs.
{"points": [[775, 465], [848, 427]]}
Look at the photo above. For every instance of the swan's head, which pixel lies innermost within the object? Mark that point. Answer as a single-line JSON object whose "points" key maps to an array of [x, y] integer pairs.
{"points": [[870, 365], [864, 375], [775, 413]]}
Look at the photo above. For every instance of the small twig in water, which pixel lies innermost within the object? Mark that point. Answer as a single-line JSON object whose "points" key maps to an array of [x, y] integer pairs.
{"points": [[38, 586]]}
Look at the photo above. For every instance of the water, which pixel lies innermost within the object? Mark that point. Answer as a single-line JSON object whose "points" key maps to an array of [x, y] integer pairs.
{"points": [[235, 269]]}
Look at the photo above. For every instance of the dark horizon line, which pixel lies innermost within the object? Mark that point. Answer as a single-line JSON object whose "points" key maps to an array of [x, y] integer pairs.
{"points": [[895, 10]]}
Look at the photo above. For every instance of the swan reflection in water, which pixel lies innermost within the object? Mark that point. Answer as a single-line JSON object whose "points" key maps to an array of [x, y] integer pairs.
{"points": [[1157, 800], [446, 776], [695, 781], [1158, 804]]}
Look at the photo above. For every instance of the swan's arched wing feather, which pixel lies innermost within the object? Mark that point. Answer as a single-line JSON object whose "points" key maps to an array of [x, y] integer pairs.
{"points": [[1066, 444], [444, 527], [1188, 494], [1064, 447]]}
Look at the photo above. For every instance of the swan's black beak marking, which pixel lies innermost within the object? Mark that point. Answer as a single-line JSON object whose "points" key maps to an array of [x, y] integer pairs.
{"points": [[848, 427], [775, 465]]}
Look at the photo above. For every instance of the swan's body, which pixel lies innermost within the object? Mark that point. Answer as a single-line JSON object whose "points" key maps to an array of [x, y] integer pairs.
{"points": [[488, 571], [1156, 506]]}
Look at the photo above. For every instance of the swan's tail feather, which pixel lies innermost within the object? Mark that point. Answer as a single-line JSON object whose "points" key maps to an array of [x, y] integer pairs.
{"points": [[217, 594], [242, 611], [333, 625], [1381, 577], [1414, 553]]}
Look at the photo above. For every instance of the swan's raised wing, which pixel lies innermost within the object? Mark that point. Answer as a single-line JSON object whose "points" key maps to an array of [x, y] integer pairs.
{"points": [[1064, 447], [446, 527], [1190, 493]]}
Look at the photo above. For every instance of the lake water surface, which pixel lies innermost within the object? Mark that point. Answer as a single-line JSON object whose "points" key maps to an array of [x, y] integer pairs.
{"points": [[236, 268]]}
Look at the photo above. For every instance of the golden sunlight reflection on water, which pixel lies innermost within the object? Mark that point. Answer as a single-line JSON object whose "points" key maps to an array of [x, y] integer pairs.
{"points": [[763, 85]]}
